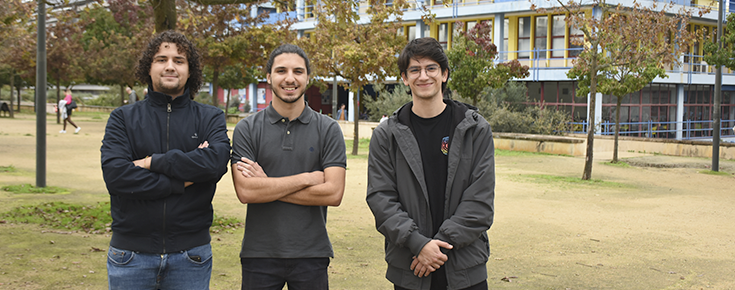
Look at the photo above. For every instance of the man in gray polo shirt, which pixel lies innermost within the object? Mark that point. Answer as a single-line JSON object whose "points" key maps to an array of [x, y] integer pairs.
{"points": [[288, 165]]}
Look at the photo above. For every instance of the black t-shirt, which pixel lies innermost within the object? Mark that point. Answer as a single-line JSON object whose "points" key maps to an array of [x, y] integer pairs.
{"points": [[432, 136]]}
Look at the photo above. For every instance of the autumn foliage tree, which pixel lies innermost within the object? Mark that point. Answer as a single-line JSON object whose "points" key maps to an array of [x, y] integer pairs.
{"points": [[472, 63], [113, 40], [15, 37], [724, 56], [358, 48], [620, 48], [228, 38], [64, 52], [633, 56]]}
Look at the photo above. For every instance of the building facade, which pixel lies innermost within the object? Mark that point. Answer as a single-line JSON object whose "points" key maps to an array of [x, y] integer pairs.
{"points": [[680, 106]]}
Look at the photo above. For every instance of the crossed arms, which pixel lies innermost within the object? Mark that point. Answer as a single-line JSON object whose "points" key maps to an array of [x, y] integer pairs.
{"points": [[316, 188]]}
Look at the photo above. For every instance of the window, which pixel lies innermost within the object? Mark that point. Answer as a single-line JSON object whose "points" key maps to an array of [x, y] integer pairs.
{"points": [[444, 29], [309, 7], [504, 56], [411, 30], [524, 37], [558, 29], [542, 24], [576, 41]]}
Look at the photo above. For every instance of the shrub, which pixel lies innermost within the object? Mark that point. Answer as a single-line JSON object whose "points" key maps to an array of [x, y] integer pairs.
{"points": [[389, 99]]}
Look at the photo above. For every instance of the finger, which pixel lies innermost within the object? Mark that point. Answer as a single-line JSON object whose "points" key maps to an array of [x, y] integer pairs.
{"points": [[445, 245], [414, 263], [247, 161]]}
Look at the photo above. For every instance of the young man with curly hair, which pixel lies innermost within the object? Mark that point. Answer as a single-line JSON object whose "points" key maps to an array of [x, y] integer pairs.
{"points": [[161, 160], [431, 181]]}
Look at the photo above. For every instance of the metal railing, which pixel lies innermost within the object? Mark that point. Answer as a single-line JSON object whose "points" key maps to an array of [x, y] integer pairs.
{"points": [[691, 129]]}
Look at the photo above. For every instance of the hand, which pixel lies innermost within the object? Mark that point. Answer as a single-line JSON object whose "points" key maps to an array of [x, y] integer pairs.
{"points": [[143, 163], [205, 144], [249, 168], [430, 258]]}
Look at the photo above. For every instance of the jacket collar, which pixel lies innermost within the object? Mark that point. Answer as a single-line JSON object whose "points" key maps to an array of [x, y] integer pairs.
{"points": [[459, 108], [273, 116], [161, 99]]}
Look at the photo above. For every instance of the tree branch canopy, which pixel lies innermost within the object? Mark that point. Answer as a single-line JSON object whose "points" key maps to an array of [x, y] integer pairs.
{"points": [[222, 2]]}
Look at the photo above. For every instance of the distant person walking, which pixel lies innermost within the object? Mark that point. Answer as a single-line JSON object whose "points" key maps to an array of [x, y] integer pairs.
{"points": [[65, 107], [132, 96]]}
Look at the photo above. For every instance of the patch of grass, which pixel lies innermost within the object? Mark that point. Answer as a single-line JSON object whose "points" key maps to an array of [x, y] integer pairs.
{"points": [[618, 164], [9, 168], [93, 219], [59, 215], [28, 135], [712, 172], [227, 224], [28, 188], [564, 180], [362, 148]]}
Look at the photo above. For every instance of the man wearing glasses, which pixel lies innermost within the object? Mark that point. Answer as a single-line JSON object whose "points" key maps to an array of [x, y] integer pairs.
{"points": [[431, 181]]}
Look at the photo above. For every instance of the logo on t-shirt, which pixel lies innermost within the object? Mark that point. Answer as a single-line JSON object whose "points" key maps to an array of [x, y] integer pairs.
{"points": [[445, 145]]}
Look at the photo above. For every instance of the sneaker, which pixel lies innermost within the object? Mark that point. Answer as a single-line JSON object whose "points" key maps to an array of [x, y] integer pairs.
{"points": [[62, 131], [77, 130]]}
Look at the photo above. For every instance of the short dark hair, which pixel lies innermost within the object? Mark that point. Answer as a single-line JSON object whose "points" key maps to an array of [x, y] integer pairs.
{"points": [[425, 47], [287, 48], [184, 46]]}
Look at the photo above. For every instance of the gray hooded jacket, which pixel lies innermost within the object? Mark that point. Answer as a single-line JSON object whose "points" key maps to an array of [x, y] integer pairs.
{"points": [[398, 197]]}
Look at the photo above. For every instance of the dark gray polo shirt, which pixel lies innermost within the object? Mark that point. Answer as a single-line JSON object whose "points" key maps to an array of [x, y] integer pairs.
{"points": [[285, 147]]}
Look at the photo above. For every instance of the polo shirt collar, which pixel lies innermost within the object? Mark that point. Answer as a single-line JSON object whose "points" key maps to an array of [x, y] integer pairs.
{"points": [[274, 116]]}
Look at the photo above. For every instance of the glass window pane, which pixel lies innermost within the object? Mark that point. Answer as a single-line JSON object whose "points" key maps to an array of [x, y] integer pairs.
{"points": [[542, 24], [557, 44], [558, 26], [550, 92]]}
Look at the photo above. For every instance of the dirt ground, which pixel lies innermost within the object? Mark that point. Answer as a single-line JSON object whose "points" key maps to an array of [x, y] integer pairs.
{"points": [[660, 224]]}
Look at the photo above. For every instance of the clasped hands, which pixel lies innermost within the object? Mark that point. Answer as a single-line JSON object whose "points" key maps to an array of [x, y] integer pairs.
{"points": [[430, 259]]}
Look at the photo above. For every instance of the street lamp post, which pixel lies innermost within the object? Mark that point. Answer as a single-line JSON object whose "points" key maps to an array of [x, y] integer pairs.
{"points": [[41, 96], [718, 97]]}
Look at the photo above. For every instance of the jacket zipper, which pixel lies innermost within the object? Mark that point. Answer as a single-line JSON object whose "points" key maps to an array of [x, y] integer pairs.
{"points": [[168, 123]]}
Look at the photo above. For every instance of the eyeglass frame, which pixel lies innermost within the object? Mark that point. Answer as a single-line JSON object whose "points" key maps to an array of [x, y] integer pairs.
{"points": [[415, 71]]}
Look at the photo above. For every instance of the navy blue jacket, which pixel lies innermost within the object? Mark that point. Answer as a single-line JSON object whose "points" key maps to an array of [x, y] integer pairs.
{"points": [[152, 210]]}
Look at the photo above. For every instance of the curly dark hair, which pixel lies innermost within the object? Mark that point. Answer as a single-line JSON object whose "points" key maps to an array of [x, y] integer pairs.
{"points": [[184, 46]]}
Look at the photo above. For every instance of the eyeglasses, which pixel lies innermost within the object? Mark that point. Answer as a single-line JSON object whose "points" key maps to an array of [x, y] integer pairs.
{"points": [[431, 71]]}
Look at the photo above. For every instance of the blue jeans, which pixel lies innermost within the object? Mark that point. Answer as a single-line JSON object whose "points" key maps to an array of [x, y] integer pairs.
{"points": [[272, 274], [189, 269]]}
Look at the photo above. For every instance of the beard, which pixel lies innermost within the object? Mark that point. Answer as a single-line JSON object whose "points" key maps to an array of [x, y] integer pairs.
{"points": [[288, 100], [170, 89]]}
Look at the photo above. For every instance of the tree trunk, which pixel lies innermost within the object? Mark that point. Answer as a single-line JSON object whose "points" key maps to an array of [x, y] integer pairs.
{"points": [[215, 78], [587, 174], [617, 130], [12, 83], [19, 98], [356, 114], [164, 13], [227, 102]]}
